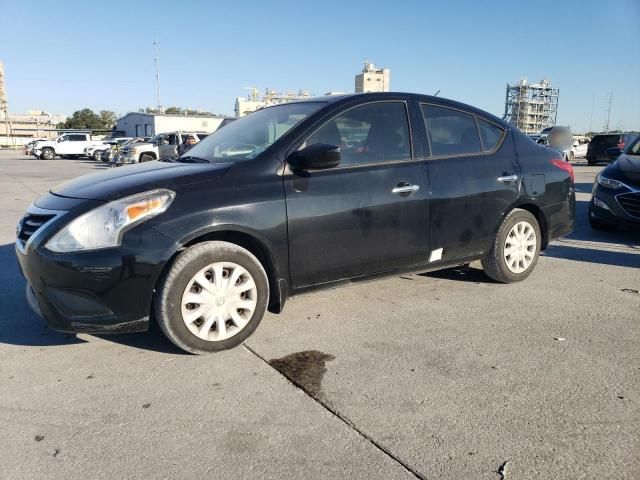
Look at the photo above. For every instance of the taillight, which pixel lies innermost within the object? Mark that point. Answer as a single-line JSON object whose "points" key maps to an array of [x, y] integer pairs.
{"points": [[566, 166]]}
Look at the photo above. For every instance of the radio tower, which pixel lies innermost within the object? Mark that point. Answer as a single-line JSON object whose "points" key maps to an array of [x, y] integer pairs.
{"points": [[157, 60], [4, 104]]}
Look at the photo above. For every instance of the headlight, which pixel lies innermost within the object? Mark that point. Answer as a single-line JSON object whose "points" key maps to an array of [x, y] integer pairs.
{"points": [[610, 183], [103, 227]]}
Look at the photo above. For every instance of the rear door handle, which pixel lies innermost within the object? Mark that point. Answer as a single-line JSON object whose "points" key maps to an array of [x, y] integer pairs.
{"points": [[405, 187], [508, 178]]}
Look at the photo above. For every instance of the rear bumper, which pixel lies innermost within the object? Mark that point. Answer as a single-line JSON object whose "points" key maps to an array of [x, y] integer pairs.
{"points": [[561, 218]]}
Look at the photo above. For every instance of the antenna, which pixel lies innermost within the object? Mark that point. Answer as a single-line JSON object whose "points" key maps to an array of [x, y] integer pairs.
{"points": [[606, 128], [157, 60], [436, 94]]}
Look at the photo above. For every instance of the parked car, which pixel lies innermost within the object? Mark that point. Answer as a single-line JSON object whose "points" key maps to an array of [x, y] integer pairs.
{"points": [[110, 154], [67, 145], [163, 145], [579, 147], [568, 153], [96, 151], [28, 147], [289, 198], [597, 149], [615, 199]]}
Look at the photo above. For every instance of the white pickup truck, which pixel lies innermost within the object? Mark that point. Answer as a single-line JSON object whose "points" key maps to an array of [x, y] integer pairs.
{"points": [[70, 145]]}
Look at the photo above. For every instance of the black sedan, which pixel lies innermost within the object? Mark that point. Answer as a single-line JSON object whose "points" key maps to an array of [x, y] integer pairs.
{"points": [[293, 197], [616, 192]]}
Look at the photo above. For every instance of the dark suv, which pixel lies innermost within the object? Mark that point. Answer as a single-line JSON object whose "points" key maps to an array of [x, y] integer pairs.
{"points": [[289, 198], [599, 144]]}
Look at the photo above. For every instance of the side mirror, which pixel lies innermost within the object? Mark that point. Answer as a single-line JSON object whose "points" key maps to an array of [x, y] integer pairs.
{"points": [[318, 156], [59, 140], [613, 152]]}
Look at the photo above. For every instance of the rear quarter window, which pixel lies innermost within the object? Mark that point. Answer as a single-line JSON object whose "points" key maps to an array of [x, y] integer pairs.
{"points": [[490, 134]]}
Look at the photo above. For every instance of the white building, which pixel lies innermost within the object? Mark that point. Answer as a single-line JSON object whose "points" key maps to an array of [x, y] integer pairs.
{"points": [[252, 102], [135, 124], [373, 79]]}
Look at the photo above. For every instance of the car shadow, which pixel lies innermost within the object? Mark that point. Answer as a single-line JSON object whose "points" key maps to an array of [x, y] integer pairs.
{"points": [[460, 274], [19, 325]]}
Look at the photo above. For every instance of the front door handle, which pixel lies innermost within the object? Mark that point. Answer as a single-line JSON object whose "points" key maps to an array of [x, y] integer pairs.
{"points": [[508, 178], [405, 187]]}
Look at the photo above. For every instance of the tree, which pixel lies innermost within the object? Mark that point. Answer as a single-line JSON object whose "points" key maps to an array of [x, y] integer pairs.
{"points": [[108, 118], [85, 118], [173, 110]]}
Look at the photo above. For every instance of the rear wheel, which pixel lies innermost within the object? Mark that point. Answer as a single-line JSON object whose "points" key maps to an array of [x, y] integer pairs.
{"points": [[516, 248], [213, 297]]}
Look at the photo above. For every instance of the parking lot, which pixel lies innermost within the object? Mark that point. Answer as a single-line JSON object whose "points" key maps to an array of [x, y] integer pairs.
{"points": [[434, 375]]}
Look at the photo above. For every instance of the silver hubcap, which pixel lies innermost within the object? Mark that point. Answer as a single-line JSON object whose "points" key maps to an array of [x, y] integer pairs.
{"points": [[219, 301], [520, 247]]}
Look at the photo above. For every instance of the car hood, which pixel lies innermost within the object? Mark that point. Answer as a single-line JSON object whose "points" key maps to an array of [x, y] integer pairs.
{"points": [[120, 182], [625, 169]]}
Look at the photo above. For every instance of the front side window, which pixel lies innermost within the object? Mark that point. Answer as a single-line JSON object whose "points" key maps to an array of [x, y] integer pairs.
{"points": [[77, 138], [371, 133], [249, 136], [451, 132]]}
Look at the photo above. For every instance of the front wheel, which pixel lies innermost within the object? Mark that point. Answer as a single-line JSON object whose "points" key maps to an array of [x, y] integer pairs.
{"points": [[145, 157], [212, 298], [96, 155], [572, 156], [47, 154], [516, 248]]}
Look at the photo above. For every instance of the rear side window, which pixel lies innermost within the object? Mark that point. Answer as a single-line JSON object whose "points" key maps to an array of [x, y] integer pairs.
{"points": [[490, 134], [371, 133], [77, 138], [451, 132]]}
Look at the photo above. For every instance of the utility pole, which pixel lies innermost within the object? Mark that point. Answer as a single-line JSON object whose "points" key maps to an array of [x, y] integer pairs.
{"points": [[606, 129], [4, 105], [593, 101], [157, 60]]}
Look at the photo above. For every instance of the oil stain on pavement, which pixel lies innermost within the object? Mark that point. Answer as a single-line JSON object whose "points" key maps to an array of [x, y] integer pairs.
{"points": [[304, 369]]}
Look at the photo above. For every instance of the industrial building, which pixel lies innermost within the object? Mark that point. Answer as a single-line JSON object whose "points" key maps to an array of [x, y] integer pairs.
{"points": [[372, 79], [531, 107], [137, 124], [253, 102]]}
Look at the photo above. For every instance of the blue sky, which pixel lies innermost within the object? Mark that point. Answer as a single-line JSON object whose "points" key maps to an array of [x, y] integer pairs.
{"points": [[63, 56]]}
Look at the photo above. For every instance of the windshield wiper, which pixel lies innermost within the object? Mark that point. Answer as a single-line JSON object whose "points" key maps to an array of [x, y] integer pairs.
{"points": [[191, 159]]}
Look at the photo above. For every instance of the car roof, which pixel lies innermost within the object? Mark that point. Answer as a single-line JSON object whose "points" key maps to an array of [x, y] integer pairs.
{"points": [[348, 97]]}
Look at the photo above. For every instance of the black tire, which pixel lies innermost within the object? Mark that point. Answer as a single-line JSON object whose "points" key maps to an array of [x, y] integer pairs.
{"points": [[572, 156], [145, 157], [168, 300], [591, 163], [494, 263], [96, 155], [47, 154]]}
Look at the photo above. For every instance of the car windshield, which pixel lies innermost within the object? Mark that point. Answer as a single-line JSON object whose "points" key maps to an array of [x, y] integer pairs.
{"points": [[251, 135]]}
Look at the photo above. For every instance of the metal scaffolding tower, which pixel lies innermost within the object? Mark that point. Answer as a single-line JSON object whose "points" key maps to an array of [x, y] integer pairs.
{"points": [[531, 107]]}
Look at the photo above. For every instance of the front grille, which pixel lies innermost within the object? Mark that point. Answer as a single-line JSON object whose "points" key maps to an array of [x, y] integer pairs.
{"points": [[631, 203], [30, 225]]}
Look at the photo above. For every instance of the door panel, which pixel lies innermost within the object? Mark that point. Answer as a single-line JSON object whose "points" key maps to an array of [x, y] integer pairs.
{"points": [[470, 191], [348, 221]]}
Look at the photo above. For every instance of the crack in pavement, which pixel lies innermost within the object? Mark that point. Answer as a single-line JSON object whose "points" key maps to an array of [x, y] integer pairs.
{"points": [[409, 469]]}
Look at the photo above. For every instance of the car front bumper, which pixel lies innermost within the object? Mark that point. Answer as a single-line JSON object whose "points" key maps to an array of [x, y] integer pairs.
{"points": [[101, 291], [607, 207]]}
